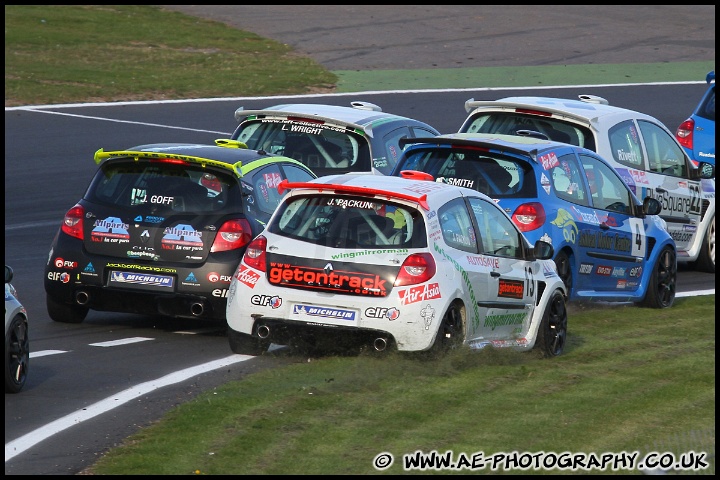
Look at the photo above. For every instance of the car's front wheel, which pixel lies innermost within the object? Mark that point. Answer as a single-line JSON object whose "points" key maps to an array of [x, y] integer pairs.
{"points": [[661, 287], [706, 258], [244, 344], [62, 312], [17, 355], [552, 332]]}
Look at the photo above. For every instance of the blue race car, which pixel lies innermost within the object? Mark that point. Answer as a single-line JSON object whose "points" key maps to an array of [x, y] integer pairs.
{"points": [[608, 245], [697, 133]]}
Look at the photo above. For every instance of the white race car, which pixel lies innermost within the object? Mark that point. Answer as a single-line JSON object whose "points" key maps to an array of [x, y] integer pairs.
{"points": [[394, 262]]}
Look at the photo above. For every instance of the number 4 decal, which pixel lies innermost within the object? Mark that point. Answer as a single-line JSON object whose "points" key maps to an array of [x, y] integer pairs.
{"points": [[638, 235]]}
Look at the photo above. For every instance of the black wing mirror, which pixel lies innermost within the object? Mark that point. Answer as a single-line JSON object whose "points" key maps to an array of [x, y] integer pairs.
{"points": [[543, 250], [651, 206]]}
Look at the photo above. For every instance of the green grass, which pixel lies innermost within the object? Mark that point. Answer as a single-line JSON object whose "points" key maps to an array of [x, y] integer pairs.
{"points": [[81, 53], [632, 379]]}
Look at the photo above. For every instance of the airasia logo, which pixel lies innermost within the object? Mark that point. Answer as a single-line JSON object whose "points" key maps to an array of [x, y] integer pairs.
{"points": [[62, 263], [247, 276], [419, 294]]}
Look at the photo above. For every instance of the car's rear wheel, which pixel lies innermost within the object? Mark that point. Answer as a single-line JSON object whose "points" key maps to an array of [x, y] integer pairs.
{"points": [[245, 344], [17, 355], [706, 258], [62, 312], [451, 332], [661, 287], [552, 333], [564, 269]]}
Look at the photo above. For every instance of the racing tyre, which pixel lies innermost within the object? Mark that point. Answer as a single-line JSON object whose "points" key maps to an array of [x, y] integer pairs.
{"points": [[553, 327], [562, 262], [706, 258], [244, 344], [17, 355], [661, 287], [451, 333], [61, 312]]}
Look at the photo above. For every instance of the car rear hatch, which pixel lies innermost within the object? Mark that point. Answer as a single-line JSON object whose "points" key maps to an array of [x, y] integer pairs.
{"points": [[158, 211]]}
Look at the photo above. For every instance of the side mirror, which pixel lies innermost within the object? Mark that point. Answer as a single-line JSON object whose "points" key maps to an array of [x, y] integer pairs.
{"points": [[651, 206], [8, 274], [707, 170], [543, 250]]}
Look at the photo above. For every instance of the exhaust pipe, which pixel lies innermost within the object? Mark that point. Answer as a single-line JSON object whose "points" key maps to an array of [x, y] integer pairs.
{"points": [[263, 331], [82, 297], [197, 309], [380, 344]]}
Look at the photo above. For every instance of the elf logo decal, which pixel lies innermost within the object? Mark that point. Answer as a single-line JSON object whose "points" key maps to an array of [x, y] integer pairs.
{"points": [[63, 277], [636, 271], [511, 288], [266, 301], [419, 294], [381, 312]]}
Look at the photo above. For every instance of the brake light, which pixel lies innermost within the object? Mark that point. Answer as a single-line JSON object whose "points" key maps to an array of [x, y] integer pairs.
{"points": [[232, 235], [417, 268], [684, 133], [255, 253], [533, 112], [529, 216], [73, 222]]}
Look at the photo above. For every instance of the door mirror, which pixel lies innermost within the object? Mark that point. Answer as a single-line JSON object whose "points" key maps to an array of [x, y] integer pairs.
{"points": [[542, 250], [651, 206]]}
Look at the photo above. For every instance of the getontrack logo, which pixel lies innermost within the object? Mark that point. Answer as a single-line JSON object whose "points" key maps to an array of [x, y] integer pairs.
{"points": [[354, 282]]}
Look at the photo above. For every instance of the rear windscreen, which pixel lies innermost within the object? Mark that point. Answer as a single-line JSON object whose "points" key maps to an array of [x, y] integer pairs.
{"points": [[350, 222], [324, 148], [166, 187], [494, 175], [508, 123]]}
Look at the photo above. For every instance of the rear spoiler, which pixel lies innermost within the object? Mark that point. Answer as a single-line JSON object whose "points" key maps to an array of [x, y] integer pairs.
{"points": [[101, 155], [338, 188]]}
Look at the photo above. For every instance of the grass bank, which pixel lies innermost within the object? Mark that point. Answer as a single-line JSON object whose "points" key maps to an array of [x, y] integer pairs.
{"points": [[631, 380]]}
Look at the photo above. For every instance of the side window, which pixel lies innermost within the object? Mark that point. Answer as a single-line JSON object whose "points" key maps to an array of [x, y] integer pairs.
{"points": [[625, 145], [385, 160], [498, 235], [457, 227], [265, 196], [665, 156], [607, 189], [567, 181], [420, 132], [296, 174]]}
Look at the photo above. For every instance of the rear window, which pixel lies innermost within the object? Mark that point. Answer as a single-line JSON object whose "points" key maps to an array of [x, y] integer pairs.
{"points": [[508, 123], [350, 222], [325, 149], [495, 176], [157, 187]]}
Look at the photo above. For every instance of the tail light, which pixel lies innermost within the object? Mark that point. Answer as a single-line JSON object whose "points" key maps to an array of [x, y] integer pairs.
{"points": [[417, 268], [255, 253], [73, 222], [529, 216], [232, 235], [684, 133]]}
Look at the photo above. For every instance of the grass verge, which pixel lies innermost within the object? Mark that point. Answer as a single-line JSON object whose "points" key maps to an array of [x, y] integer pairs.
{"points": [[632, 379]]}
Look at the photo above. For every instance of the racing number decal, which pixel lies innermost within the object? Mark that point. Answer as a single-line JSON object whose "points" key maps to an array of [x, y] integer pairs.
{"points": [[529, 282], [638, 234], [694, 198]]}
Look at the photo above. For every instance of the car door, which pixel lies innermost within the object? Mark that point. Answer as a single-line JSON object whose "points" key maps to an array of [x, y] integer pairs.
{"points": [[659, 168], [614, 239], [511, 290]]}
